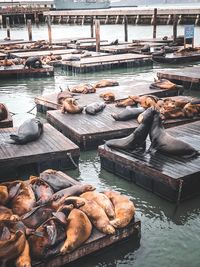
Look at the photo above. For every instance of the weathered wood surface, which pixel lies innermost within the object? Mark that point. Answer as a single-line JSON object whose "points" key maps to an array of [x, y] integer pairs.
{"points": [[2, 55], [153, 40], [7, 123], [95, 243], [22, 50], [50, 150], [125, 89], [43, 53], [173, 178], [189, 74], [19, 71], [14, 41]]}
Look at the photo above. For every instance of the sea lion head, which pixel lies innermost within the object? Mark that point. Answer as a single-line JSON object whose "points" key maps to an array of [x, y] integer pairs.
{"points": [[76, 202], [88, 187], [147, 115]]}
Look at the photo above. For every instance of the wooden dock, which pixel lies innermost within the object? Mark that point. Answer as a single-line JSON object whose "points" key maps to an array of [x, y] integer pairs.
{"points": [[181, 75], [18, 71], [27, 49], [172, 178], [49, 102], [2, 55], [176, 59], [108, 62], [97, 241], [51, 150]]}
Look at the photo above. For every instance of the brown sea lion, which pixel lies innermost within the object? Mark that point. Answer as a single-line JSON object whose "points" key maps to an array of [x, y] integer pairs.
{"points": [[145, 101], [70, 105], [102, 200], [124, 209], [76, 202], [7, 214], [78, 230], [163, 84], [106, 83], [172, 112], [4, 195], [165, 143], [3, 112], [83, 88], [41, 189], [108, 97], [24, 259], [126, 102], [56, 181], [63, 95], [24, 200], [97, 216], [192, 109]]}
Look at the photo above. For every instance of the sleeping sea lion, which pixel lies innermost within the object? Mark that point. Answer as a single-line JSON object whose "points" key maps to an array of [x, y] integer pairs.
{"points": [[124, 209], [106, 83], [29, 131], [165, 143], [70, 105], [97, 216], [41, 189], [102, 200], [4, 195], [7, 214], [128, 114], [95, 107], [163, 84], [63, 95], [192, 109], [56, 181], [108, 97], [78, 230], [24, 259], [137, 139], [126, 102], [83, 88], [3, 112]]}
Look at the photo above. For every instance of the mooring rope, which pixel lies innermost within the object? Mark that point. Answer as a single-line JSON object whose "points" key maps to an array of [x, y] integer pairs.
{"points": [[72, 160], [29, 111]]}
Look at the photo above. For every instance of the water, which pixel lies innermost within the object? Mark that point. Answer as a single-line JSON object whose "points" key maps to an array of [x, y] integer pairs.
{"points": [[170, 236]]}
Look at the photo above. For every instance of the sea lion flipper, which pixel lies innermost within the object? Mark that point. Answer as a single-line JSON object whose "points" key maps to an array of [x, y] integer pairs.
{"points": [[15, 137]]}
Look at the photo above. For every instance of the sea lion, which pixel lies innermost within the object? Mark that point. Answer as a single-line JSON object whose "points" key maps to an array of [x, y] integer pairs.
{"points": [[78, 230], [95, 107], [77, 202], [29, 131], [33, 62], [97, 216], [137, 139], [56, 181], [4, 195], [24, 200], [70, 105], [172, 112], [124, 209], [3, 112], [165, 143], [102, 200], [192, 109], [36, 216], [145, 48], [146, 101], [41, 189], [106, 83], [125, 102], [128, 114], [63, 95], [163, 84], [7, 214], [24, 259], [83, 88], [108, 97]]}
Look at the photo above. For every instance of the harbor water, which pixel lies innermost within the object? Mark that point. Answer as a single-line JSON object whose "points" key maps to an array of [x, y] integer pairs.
{"points": [[170, 235]]}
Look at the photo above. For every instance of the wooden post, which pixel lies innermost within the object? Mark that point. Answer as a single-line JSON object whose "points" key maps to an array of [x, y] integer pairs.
{"points": [[29, 25], [97, 35], [154, 22], [8, 27], [49, 29], [125, 29], [92, 27], [174, 27]]}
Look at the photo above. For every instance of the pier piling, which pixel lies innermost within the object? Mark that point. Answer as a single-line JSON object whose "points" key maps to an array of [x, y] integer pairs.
{"points": [[49, 29], [174, 27], [8, 27], [125, 29], [154, 22], [97, 35], [92, 27], [29, 25]]}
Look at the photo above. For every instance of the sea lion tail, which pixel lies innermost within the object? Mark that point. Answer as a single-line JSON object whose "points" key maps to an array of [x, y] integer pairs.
{"points": [[15, 137]]}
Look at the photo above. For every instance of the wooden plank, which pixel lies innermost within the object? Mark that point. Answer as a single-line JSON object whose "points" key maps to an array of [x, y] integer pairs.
{"points": [[159, 173], [51, 148], [24, 49], [188, 74], [125, 89], [153, 40]]}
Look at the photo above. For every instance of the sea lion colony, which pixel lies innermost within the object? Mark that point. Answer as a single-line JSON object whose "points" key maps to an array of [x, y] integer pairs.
{"points": [[39, 218]]}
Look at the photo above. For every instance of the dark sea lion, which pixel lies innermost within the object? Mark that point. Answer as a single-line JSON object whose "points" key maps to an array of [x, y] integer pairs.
{"points": [[41, 189], [3, 112], [95, 107], [102, 200], [36, 216], [52, 178], [137, 139], [165, 143], [63, 95], [29, 131], [33, 62], [124, 209], [106, 83], [78, 230], [71, 106], [145, 48], [128, 114], [97, 216]]}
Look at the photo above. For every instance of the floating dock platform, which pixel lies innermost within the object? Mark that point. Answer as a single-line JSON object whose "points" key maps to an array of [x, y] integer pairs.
{"points": [[176, 59], [18, 71], [49, 102], [108, 62], [183, 75], [172, 178], [97, 241], [51, 150]]}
